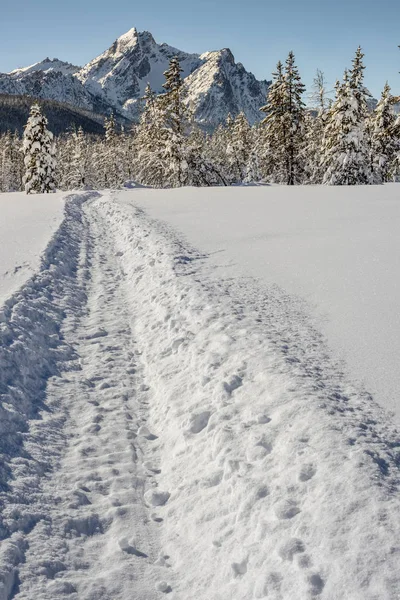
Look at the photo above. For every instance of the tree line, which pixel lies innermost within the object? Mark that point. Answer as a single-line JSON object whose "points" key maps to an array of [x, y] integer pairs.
{"points": [[341, 142]]}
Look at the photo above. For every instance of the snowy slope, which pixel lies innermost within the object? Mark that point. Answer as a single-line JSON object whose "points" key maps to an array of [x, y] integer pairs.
{"points": [[177, 431], [50, 84], [48, 64], [117, 78], [27, 224], [336, 247], [221, 86], [122, 71]]}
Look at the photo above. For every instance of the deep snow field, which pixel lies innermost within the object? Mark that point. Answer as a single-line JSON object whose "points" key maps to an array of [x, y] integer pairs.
{"points": [[185, 411], [336, 247], [26, 226]]}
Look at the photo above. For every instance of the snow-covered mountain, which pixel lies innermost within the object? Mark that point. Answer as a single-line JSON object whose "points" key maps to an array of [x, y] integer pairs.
{"points": [[116, 80]]}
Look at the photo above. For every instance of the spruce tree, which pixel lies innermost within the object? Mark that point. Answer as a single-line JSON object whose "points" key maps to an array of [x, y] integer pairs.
{"points": [[385, 142], [273, 152], [284, 149], [294, 116], [79, 166], [345, 151], [39, 154], [149, 157], [176, 126], [239, 147]]}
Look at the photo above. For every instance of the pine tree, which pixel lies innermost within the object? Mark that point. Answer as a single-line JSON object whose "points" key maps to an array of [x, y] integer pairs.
{"points": [[346, 152], [149, 157], [314, 129], [39, 154], [275, 133], [111, 159], [284, 152], [385, 142], [176, 126], [11, 163], [294, 115], [80, 161], [239, 147]]}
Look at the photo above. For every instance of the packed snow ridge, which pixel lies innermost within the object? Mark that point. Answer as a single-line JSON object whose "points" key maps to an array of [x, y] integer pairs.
{"points": [[165, 431], [116, 80]]}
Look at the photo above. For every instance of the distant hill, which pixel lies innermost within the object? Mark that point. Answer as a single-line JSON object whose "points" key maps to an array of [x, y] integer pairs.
{"points": [[14, 113]]}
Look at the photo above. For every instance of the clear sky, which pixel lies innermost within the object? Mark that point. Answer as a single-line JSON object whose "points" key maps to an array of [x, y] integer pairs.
{"points": [[322, 34]]}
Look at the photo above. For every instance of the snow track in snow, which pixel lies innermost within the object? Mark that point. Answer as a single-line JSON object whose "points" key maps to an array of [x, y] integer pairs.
{"points": [[171, 433]]}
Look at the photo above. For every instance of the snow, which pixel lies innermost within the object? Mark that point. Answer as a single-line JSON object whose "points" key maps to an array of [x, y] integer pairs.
{"points": [[27, 224], [46, 65], [118, 77], [337, 248], [170, 426]]}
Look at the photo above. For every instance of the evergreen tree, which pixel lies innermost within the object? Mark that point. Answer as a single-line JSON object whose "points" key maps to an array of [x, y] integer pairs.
{"points": [[385, 142], [39, 154], [176, 126], [80, 161], [345, 152], [150, 161], [11, 163], [239, 147], [275, 133], [111, 162], [284, 152], [294, 116]]}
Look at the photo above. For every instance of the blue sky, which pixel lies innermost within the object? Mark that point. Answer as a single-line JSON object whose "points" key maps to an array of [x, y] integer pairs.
{"points": [[322, 34]]}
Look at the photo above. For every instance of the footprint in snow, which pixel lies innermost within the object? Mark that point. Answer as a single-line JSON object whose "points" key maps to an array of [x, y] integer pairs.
{"points": [[286, 509], [144, 432], [316, 584], [156, 497], [163, 586], [239, 568], [162, 561], [199, 421], [263, 419], [307, 472], [130, 548], [233, 384], [291, 547]]}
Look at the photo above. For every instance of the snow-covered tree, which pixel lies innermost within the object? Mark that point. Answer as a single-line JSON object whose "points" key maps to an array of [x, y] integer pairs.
{"points": [[272, 148], [39, 154], [284, 125], [319, 97], [111, 160], [314, 129], [385, 142], [176, 126], [239, 148], [150, 160], [11, 163], [346, 156]]}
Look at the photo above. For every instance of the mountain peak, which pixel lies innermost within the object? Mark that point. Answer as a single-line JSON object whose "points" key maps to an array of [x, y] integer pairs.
{"points": [[117, 78], [47, 64], [126, 41]]}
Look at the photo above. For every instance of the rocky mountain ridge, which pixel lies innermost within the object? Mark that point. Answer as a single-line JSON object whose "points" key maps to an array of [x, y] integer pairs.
{"points": [[115, 81]]}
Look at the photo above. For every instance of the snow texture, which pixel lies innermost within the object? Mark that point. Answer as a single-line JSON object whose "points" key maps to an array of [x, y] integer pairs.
{"points": [[336, 249], [173, 432], [26, 225]]}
